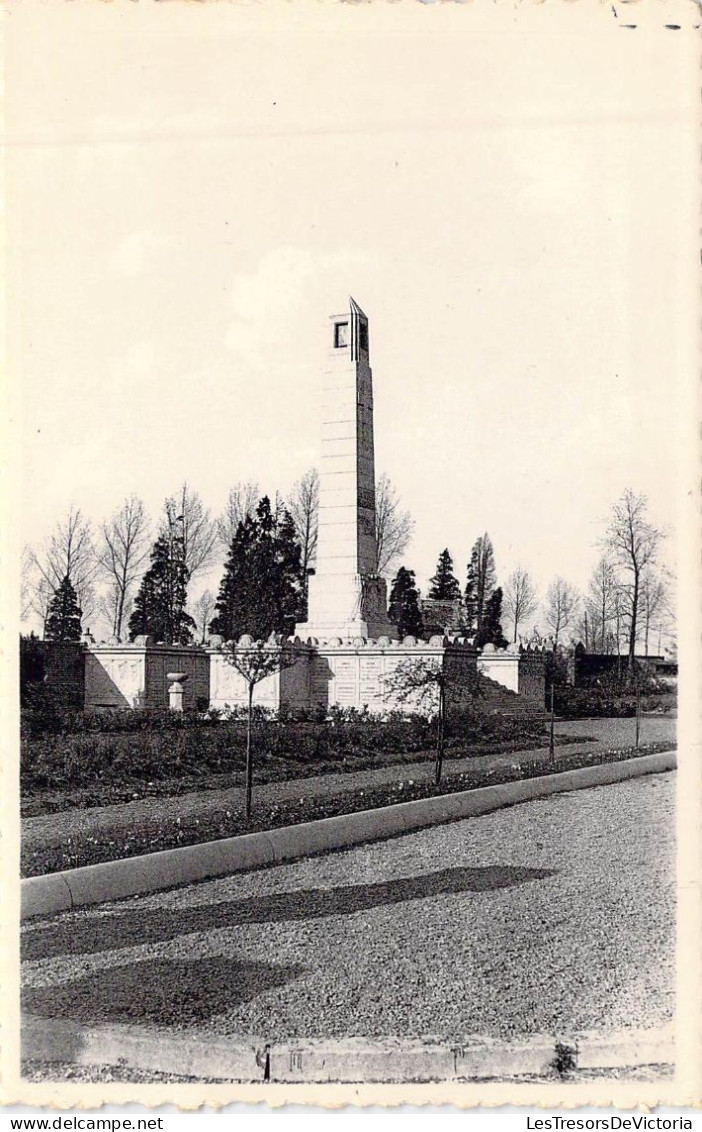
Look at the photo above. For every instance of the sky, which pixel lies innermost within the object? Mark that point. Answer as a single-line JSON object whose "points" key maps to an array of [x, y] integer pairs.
{"points": [[507, 192]]}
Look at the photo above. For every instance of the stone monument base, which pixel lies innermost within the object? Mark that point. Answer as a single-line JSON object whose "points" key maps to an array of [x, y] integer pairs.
{"points": [[362, 597], [357, 673]]}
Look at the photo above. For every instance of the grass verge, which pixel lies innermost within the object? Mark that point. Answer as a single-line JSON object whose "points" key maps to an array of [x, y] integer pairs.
{"points": [[38, 800], [157, 832]]}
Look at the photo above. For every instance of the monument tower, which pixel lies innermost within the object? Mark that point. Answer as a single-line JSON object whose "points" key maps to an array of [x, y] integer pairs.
{"points": [[347, 597]]}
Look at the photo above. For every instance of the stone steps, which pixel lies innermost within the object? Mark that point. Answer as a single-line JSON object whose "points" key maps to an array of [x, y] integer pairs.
{"points": [[498, 700]]}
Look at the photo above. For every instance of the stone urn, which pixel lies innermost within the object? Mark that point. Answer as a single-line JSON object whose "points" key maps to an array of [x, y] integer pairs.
{"points": [[175, 689]]}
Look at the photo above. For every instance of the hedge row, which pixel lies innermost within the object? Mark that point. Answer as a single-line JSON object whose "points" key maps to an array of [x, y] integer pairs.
{"points": [[595, 703], [203, 747]]}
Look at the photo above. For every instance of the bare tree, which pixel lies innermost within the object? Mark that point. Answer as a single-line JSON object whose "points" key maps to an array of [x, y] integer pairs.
{"points": [[654, 603], [35, 590], [633, 542], [619, 621], [520, 598], [600, 604], [203, 609], [584, 627], [393, 526], [562, 602], [254, 661], [424, 683], [663, 622], [241, 502], [27, 569], [68, 552], [124, 549], [303, 505], [188, 523]]}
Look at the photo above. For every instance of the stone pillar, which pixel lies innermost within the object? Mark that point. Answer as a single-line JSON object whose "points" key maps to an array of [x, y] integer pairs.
{"points": [[347, 597], [175, 690]]}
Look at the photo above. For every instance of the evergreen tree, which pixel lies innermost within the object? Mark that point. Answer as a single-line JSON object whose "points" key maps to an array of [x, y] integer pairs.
{"points": [[159, 607], [290, 575], [262, 591], [63, 617], [403, 607], [444, 585], [490, 632], [480, 584]]}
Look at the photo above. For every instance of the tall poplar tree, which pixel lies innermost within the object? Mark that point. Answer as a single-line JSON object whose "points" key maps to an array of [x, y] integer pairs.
{"points": [[480, 584]]}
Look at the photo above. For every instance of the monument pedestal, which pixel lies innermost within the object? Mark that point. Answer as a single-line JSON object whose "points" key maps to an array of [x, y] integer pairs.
{"points": [[347, 607]]}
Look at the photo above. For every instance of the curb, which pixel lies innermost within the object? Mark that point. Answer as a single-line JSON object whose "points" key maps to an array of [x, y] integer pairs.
{"points": [[355, 1060], [152, 872]]}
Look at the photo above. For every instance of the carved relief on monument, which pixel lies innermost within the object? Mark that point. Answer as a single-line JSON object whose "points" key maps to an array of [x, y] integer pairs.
{"points": [[366, 498], [372, 598], [345, 680], [370, 685]]}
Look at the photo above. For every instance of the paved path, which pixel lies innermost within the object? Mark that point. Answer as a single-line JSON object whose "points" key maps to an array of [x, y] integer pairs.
{"points": [[553, 916], [56, 829]]}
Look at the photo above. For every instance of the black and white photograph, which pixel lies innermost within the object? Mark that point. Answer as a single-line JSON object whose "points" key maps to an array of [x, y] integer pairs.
{"points": [[351, 559]]}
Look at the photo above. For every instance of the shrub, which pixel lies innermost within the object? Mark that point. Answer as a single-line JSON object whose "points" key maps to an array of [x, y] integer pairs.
{"points": [[601, 702], [115, 746]]}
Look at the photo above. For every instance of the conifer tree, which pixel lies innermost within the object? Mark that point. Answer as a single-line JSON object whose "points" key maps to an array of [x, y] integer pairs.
{"points": [[159, 607], [480, 584], [290, 574], [262, 590], [444, 585], [490, 632], [64, 615], [403, 607]]}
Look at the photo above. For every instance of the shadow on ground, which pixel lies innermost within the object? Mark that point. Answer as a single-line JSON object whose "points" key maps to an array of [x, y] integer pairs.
{"points": [[93, 931], [167, 992]]}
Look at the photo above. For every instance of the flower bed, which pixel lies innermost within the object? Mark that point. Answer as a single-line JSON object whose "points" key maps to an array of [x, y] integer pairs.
{"points": [[106, 750], [158, 834], [39, 800]]}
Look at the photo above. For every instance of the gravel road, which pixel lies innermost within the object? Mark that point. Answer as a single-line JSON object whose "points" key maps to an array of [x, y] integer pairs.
{"points": [[551, 916]]}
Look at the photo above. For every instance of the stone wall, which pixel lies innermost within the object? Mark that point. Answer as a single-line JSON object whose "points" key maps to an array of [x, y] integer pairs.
{"points": [[363, 674], [520, 670], [289, 688], [462, 676], [358, 673], [532, 676], [57, 666], [134, 675]]}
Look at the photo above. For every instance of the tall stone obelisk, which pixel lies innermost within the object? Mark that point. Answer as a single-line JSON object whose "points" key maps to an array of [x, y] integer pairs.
{"points": [[347, 597]]}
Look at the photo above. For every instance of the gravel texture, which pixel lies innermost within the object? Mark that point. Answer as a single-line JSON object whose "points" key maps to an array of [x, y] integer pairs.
{"points": [[552, 916], [96, 1074]]}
